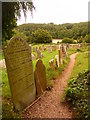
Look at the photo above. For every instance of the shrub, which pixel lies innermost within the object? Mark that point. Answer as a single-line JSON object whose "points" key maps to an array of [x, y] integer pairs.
{"points": [[77, 94], [67, 40], [41, 36]]}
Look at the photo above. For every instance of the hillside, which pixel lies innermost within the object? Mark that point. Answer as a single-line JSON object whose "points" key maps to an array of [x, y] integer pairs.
{"points": [[70, 30]]}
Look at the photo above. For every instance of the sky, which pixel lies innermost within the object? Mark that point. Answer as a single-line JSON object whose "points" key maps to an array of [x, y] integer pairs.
{"points": [[57, 12]]}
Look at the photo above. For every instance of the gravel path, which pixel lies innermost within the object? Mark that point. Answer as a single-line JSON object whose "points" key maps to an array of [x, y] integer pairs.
{"points": [[50, 105]]}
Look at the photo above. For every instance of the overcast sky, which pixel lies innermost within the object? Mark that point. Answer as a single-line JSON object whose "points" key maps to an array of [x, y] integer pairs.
{"points": [[58, 12]]}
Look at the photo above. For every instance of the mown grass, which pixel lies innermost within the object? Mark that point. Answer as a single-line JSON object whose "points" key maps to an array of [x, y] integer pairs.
{"points": [[81, 63]]}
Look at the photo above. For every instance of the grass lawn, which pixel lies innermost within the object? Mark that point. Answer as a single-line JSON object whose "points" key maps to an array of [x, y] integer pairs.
{"points": [[81, 63]]}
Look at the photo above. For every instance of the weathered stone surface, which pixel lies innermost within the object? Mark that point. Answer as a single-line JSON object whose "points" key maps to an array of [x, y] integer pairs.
{"points": [[2, 63], [40, 77], [51, 64], [33, 57], [64, 51], [60, 56], [54, 47], [39, 55], [34, 50], [57, 60], [20, 72], [40, 48], [49, 49]]}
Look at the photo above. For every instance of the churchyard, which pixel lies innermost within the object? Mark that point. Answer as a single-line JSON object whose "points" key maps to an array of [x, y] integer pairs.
{"points": [[33, 69]]}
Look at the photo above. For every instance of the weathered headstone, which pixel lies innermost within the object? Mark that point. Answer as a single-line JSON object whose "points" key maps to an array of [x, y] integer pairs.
{"points": [[45, 48], [60, 56], [57, 60], [34, 50], [64, 51], [40, 48], [2, 63], [51, 64], [39, 54], [40, 77], [49, 49], [33, 57], [20, 72], [54, 47], [59, 47]]}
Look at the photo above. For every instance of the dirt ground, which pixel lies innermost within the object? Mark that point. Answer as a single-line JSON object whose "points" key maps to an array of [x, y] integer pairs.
{"points": [[50, 105]]}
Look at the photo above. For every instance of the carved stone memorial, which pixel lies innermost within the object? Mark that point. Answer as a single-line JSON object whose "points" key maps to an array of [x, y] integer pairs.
{"points": [[40, 77], [20, 73]]}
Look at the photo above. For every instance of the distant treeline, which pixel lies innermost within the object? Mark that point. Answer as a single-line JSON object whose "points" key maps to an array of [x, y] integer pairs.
{"points": [[68, 30]]}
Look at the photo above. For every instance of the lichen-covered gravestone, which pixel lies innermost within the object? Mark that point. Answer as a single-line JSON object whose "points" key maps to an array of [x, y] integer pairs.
{"points": [[51, 64], [39, 54], [60, 56], [20, 73], [54, 47], [40, 77], [57, 60]]}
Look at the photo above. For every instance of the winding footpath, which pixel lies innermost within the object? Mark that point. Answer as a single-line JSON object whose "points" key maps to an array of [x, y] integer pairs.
{"points": [[50, 105]]}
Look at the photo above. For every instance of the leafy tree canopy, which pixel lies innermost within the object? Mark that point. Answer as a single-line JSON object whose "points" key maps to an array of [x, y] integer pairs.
{"points": [[10, 12], [40, 36]]}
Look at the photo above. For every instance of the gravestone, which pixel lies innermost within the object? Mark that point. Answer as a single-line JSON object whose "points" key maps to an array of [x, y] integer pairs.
{"points": [[40, 78], [2, 63], [43, 47], [49, 49], [64, 51], [60, 56], [59, 47], [34, 50], [54, 47], [33, 57], [39, 55], [51, 64], [57, 60], [40, 48], [20, 73]]}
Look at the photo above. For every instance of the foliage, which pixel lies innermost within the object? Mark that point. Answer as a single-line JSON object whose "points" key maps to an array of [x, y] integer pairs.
{"points": [[67, 40], [10, 12], [87, 38], [41, 36], [77, 94], [68, 30], [81, 40]]}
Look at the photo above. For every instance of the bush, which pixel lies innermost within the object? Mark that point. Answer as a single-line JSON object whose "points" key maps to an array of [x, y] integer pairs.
{"points": [[41, 36], [77, 94], [67, 40]]}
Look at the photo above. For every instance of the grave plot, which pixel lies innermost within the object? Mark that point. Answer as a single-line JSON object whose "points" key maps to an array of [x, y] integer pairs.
{"points": [[20, 73]]}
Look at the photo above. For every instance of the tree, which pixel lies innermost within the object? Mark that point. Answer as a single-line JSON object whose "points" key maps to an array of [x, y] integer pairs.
{"points": [[81, 40], [10, 12], [41, 36], [87, 38]]}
